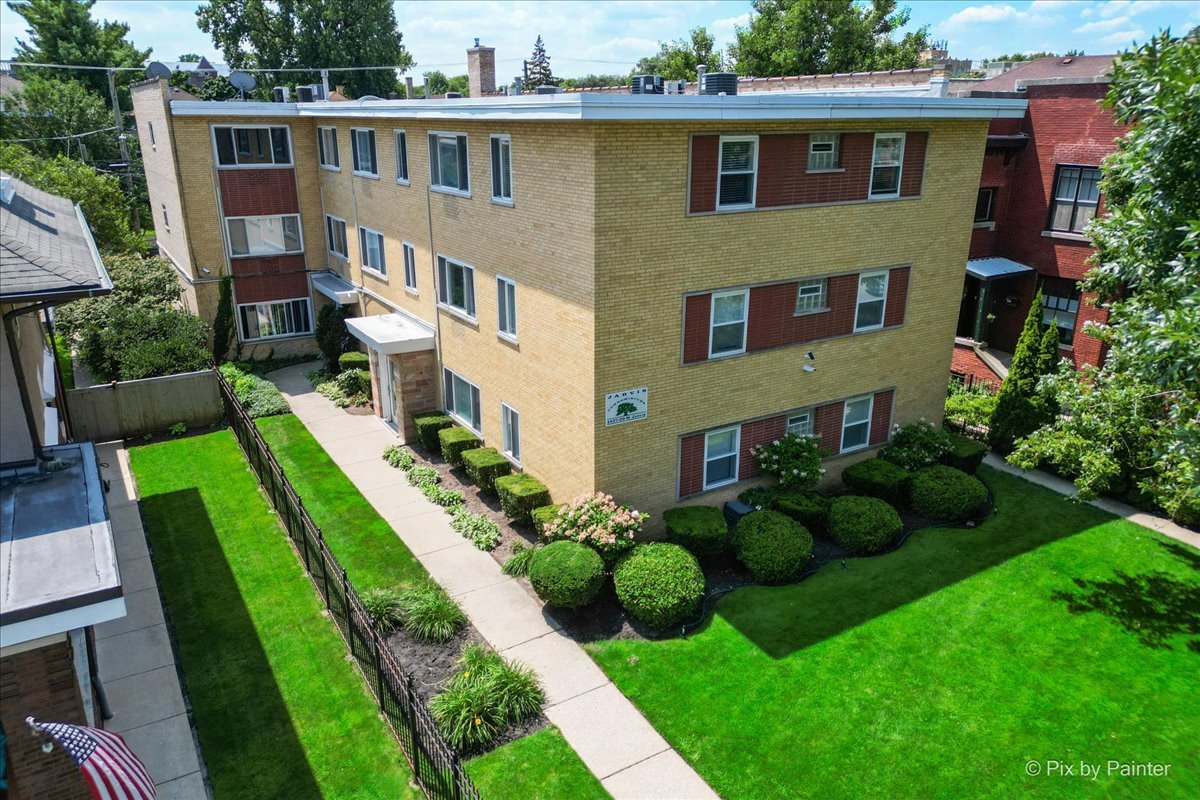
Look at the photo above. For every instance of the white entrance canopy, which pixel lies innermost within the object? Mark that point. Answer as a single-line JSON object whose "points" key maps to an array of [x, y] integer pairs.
{"points": [[988, 268], [335, 287], [391, 333]]}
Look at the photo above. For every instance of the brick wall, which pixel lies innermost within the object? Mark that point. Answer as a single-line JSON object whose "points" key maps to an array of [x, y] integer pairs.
{"points": [[258, 192], [966, 362]]}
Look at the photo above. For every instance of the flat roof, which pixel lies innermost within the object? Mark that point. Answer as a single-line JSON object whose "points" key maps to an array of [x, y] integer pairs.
{"points": [[391, 333], [335, 287], [995, 267], [630, 107]]}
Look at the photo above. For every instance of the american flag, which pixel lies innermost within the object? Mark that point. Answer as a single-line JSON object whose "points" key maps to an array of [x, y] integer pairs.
{"points": [[111, 768]]}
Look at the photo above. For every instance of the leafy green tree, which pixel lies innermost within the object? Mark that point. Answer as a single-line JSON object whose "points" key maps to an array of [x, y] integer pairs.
{"points": [[592, 80], [45, 108], [436, 83], [333, 337], [1021, 407], [222, 333], [678, 60], [190, 57], [805, 37], [538, 72], [460, 84]]}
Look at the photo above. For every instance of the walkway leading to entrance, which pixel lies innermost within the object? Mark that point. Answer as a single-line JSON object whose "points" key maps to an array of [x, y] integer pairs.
{"points": [[610, 735]]}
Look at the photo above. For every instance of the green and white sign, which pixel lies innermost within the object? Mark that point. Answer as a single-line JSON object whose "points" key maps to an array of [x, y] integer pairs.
{"points": [[627, 406]]}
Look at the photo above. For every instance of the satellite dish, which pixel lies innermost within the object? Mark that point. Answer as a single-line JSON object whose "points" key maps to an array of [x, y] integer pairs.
{"points": [[157, 69], [242, 81]]}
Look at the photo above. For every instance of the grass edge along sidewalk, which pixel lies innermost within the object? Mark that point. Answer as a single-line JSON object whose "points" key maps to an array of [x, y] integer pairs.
{"points": [[273, 696]]}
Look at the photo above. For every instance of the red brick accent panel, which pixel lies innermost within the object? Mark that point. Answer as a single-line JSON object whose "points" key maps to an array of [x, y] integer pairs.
{"points": [[914, 163], [784, 180], [773, 321], [705, 152], [1087, 349], [258, 192], [965, 361], [259, 265], [691, 464], [881, 416], [265, 288], [827, 425], [697, 313], [754, 434], [897, 296]]}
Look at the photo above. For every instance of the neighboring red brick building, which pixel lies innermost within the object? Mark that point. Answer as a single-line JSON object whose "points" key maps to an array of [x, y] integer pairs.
{"points": [[1038, 189]]}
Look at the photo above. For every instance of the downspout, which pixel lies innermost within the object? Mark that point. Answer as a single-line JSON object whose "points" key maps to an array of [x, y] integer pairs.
{"points": [[437, 314]]}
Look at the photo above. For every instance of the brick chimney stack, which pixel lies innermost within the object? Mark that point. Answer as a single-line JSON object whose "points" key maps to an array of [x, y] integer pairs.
{"points": [[481, 70]]}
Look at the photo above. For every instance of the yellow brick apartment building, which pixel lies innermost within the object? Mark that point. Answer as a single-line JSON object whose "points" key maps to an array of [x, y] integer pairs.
{"points": [[621, 292]]}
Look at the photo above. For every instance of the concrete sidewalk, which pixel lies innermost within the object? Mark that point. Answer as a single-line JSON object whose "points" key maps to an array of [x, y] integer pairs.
{"points": [[611, 736], [134, 655]]}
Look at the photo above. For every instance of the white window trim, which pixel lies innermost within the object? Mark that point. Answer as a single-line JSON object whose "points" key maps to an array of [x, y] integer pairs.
{"points": [[837, 152], [396, 133], [804, 412], [448, 391], [870, 398], [497, 199], [153, 142], [800, 312], [505, 443], [858, 299], [455, 310], [903, 137], [434, 187], [512, 337], [216, 160], [322, 164], [754, 173], [405, 249], [238, 320], [345, 236], [712, 313], [737, 456], [353, 166], [362, 253], [299, 231]]}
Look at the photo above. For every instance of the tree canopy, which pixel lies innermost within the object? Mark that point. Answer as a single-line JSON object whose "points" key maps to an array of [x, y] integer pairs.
{"points": [[806, 37], [46, 108], [678, 60], [539, 72], [592, 80]]}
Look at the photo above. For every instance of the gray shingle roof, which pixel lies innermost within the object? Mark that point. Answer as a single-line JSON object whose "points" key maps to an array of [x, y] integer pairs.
{"points": [[45, 248]]}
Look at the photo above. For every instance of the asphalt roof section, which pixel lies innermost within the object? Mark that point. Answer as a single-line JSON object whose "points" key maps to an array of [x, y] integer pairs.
{"points": [[1069, 69], [46, 249]]}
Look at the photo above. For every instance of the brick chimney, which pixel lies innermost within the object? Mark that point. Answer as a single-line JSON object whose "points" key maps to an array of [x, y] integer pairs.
{"points": [[481, 70]]}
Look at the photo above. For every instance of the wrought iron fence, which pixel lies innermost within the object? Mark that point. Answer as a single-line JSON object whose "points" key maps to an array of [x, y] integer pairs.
{"points": [[435, 763]]}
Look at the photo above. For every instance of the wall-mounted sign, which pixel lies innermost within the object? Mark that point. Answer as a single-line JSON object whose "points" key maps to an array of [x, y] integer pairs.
{"points": [[626, 406]]}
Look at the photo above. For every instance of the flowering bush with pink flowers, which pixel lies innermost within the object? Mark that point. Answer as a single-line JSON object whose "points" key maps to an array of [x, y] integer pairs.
{"points": [[598, 522], [793, 458]]}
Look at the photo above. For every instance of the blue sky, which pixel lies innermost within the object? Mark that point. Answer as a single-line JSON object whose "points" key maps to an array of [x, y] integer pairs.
{"points": [[583, 37]]}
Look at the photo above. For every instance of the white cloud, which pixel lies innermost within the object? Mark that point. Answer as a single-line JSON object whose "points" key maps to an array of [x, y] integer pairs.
{"points": [[991, 14], [1053, 5], [1124, 38], [1125, 8], [1103, 25]]}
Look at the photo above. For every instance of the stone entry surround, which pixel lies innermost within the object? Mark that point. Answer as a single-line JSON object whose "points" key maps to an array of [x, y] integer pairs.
{"points": [[414, 387]]}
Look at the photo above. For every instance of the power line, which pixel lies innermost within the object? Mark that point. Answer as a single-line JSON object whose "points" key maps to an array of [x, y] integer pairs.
{"points": [[65, 136]]}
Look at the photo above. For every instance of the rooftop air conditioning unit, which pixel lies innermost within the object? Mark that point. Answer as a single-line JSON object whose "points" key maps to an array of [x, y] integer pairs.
{"points": [[280, 94], [548, 90], [646, 84], [453, 95], [719, 83], [304, 94], [674, 87]]}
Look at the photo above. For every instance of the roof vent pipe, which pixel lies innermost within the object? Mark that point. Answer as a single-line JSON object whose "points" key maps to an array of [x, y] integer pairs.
{"points": [[408, 85], [700, 70]]}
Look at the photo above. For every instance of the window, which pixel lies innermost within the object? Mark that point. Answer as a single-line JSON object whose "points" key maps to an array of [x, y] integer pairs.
{"points": [[410, 266], [462, 399], [275, 319], [166, 219], [264, 236], [727, 325], [1060, 304], [985, 205], [456, 286], [1076, 197], [327, 148], [800, 423], [872, 297], [510, 420], [153, 144], [252, 147], [448, 161], [822, 152], [856, 423], [401, 157], [736, 172], [335, 234], [811, 296], [502, 169], [370, 248], [886, 165], [362, 146], [721, 457], [506, 296]]}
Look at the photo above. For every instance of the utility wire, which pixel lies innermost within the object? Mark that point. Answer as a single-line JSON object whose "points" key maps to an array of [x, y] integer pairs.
{"points": [[66, 136]]}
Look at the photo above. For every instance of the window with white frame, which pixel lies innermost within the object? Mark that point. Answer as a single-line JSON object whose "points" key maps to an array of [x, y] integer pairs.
{"points": [[166, 219], [822, 152], [510, 421], [335, 234], [721, 457], [736, 172], [462, 399], [727, 324], [401, 157], [275, 319], [264, 236], [1060, 306], [1076, 198], [800, 423], [886, 165], [362, 147], [811, 296], [856, 423], [327, 148], [258, 146], [501, 168], [872, 299], [410, 265], [153, 144], [456, 286], [448, 162], [370, 248], [506, 299]]}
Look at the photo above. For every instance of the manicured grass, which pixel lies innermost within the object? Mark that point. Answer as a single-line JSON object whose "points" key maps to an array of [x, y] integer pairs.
{"points": [[365, 545], [1052, 631], [280, 709], [62, 349], [539, 767]]}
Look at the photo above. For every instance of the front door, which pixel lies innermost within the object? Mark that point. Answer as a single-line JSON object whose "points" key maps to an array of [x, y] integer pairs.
{"points": [[968, 311], [387, 396]]}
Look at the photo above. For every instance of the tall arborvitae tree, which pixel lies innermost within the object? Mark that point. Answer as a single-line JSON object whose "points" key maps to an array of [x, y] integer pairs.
{"points": [[1021, 408], [538, 71]]}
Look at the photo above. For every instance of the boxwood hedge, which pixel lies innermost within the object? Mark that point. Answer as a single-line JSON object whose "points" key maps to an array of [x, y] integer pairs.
{"points": [[659, 584], [863, 525], [699, 529]]}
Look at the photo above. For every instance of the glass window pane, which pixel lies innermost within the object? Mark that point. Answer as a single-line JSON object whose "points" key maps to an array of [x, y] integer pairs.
{"points": [[448, 162], [870, 314], [858, 410], [885, 180], [737, 155], [291, 233], [727, 338], [855, 435], [736, 189], [225, 154], [872, 287], [238, 245], [720, 443], [1089, 186], [1083, 216], [462, 398], [1068, 183], [729, 308], [888, 150], [719, 470], [279, 141]]}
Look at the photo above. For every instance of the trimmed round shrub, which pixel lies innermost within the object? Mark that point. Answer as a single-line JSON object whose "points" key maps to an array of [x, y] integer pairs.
{"points": [[355, 359], [484, 465], [878, 478], [520, 493], [759, 497], [543, 516], [427, 424], [773, 546], [566, 574], [863, 524], [808, 508], [700, 529], [965, 453], [942, 492], [659, 584], [454, 441]]}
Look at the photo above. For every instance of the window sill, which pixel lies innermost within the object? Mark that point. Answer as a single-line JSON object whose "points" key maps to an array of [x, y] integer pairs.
{"points": [[449, 190], [848, 450], [721, 485], [732, 354], [328, 168], [403, 181], [267, 255], [460, 314], [274, 338], [508, 338], [873, 198], [824, 171], [339, 256], [871, 329], [989, 225], [374, 176], [811, 311], [1067, 236], [502, 201], [516, 462], [376, 274], [410, 290], [743, 207]]}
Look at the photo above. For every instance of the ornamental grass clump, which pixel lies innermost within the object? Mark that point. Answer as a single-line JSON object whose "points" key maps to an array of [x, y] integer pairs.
{"points": [[383, 607], [428, 614], [597, 521], [488, 694], [518, 565], [794, 459]]}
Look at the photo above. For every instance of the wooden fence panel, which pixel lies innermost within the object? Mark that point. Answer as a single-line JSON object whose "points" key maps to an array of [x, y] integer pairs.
{"points": [[131, 408]]}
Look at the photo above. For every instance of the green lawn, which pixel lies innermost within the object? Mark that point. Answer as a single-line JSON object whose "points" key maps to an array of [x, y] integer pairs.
{"points": [[62, 349], [539, 767], [1052, 632], [281, 710]]}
